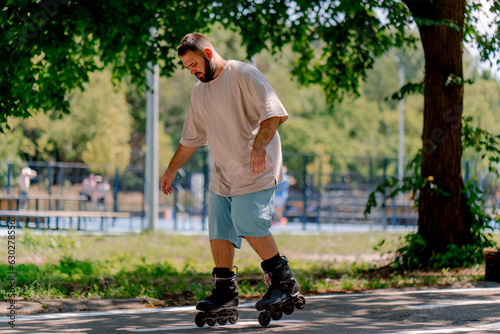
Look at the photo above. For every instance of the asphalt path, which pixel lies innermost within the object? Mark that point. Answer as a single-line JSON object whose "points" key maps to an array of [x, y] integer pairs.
{"points": [[474, 310]]}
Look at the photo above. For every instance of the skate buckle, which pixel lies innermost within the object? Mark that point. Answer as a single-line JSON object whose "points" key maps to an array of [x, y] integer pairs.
{"points": [[267, 279], [215, 280]]}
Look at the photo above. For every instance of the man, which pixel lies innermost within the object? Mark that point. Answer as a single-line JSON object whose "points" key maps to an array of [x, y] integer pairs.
{"points": [[237, 113]]}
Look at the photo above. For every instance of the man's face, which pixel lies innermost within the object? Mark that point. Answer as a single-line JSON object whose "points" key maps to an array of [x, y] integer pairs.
{"points": [[200, 66]]}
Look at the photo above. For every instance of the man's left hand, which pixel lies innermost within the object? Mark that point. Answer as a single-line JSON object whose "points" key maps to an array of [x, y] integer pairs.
{"points": [[258, 160]]}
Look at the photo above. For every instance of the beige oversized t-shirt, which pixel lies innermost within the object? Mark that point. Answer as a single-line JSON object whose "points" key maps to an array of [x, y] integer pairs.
{"points": [[226, 113]]}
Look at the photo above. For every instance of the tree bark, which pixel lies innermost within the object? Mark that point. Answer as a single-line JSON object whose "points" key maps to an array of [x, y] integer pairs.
{"points": [[441, 220]]}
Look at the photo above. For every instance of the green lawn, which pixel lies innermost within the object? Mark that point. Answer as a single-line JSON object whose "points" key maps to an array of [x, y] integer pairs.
{"points": [[176, 268]]}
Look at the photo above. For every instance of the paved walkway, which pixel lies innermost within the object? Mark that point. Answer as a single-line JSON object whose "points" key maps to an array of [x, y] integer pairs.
{"points": [[469, 310]]}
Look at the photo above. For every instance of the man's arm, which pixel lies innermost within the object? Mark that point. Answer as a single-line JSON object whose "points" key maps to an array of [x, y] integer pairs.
{"points": [[258, 155], [182, 154]]}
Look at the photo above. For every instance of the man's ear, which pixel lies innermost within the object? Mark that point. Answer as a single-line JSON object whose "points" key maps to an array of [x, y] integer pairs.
{"points": [[208, 53]]}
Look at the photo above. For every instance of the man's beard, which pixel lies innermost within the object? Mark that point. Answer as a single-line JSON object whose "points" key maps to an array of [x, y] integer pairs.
{"points": [[210, 68]]}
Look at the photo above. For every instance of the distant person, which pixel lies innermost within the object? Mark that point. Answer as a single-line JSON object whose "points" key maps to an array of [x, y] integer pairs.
{"points": [[89, 185], [280, 199], [102, 190], [24, 181]]}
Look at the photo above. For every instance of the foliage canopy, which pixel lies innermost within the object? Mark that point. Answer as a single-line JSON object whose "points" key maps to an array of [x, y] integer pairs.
{"points": [[49, 48]]}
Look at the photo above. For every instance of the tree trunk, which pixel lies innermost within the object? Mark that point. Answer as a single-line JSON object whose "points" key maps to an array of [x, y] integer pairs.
{"points": [[441, 221]]}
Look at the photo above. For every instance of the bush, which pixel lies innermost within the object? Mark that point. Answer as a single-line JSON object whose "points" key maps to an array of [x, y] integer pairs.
{"points": [[414, 252]]}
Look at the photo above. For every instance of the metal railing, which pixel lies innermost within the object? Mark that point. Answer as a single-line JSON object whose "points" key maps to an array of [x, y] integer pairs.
{"points": [[323, 189]]}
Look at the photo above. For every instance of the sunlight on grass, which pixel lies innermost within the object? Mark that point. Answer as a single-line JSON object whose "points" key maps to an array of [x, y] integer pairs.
{"points": [[177, 268]]}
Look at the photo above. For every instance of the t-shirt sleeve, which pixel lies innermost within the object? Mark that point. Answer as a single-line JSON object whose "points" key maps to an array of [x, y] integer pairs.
{"points": [[194, 132], [265, 100]]}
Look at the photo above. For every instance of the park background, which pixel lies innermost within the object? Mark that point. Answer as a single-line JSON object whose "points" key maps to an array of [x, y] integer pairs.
{"points": [[351, 142], [354, 142]]}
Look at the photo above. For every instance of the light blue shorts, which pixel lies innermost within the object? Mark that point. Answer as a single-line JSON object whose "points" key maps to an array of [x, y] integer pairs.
{"points": [[248, 215]]}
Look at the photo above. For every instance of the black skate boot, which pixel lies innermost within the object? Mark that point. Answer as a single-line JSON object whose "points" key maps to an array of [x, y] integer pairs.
{"points": [[221, 305], [283, 294]]}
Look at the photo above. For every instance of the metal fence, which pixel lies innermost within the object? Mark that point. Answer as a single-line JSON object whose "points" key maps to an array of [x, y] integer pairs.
{"points": [[323, 189]]}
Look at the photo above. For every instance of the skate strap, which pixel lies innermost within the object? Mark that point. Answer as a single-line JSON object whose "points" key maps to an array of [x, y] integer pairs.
{"points": [[217, 279], [267, 279]]}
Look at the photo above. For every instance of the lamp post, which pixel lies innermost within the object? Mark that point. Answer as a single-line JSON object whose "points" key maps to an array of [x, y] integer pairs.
{"points": [[152, 117], [401, 146]]}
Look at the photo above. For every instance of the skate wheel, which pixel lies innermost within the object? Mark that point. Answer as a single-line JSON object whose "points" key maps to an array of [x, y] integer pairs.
{"points": [[198, 320], [234, 317], [277, 314], [264, 319], [211, 322], [288, 309], [300, 302], [222, 321]]}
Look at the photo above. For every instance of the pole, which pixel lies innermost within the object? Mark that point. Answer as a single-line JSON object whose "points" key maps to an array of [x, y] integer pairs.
{"points": [[401, 132], [152, 117], [115, 191], [206, 180], [304, 192], [9, 169]]}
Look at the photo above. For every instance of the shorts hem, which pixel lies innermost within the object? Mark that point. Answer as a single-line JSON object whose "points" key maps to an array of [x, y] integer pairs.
{"points": [[236, 244], [257, 236]]}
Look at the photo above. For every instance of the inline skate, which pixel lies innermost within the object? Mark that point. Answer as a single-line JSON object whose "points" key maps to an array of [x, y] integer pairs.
{"points": [[283, 295], [220, 306]]}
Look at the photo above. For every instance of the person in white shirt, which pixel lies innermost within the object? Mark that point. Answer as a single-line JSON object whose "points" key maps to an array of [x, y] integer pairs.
{"points": [[24, 181], [235, 111]]}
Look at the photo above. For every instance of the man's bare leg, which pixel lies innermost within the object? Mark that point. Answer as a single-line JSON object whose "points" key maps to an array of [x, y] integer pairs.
{"points": [[223, 253], [265, 247]]}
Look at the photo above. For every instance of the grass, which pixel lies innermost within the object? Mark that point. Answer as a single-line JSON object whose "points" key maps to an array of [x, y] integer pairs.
{"points": [[176, 268]]}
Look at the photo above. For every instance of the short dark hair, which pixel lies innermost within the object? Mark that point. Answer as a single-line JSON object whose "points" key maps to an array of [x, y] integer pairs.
{"points": [[194, 42]]}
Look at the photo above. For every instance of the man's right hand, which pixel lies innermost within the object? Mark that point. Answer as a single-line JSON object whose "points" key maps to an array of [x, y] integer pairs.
{"points": [[166, 181], [181, 155]]}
